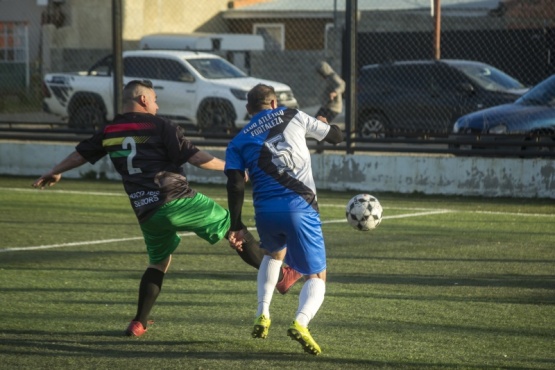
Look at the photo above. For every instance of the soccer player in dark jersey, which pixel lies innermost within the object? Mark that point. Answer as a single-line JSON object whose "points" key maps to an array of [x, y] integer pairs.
{"points": [[272, 148], [148, 152]]}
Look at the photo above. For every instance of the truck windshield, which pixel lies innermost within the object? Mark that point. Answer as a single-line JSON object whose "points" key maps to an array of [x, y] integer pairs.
{"points": [[214, 68]]}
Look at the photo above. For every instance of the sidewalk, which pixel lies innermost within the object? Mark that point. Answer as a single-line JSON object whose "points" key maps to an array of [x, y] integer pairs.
{"points": [[29, 117]]}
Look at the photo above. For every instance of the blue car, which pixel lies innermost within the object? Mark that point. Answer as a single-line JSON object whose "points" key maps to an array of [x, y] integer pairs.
{"points": [[528, 124], [531, 114]]}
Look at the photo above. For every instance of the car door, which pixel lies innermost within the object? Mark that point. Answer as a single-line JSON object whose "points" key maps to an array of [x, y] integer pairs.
{"points": [[449, 98], [415, 103], [173, 83], [438, 97]]}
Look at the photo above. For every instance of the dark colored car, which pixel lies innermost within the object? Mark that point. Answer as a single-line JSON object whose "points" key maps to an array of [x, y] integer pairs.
{"points": [[533, 114], [427, 95]]}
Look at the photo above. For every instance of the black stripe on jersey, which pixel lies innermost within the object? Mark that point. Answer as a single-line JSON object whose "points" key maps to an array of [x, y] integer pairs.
{"points": [[265, 163]]}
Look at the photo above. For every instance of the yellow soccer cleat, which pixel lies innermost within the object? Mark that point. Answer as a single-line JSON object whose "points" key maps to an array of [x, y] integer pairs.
{"points": [[302, 335], [261, 327]]}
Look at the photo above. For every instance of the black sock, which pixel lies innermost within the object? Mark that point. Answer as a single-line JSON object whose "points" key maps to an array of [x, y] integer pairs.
{"points": [[252, 254], [151, 284]]}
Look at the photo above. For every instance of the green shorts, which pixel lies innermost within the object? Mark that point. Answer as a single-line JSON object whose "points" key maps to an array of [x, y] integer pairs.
{"points": [[199, 214]]}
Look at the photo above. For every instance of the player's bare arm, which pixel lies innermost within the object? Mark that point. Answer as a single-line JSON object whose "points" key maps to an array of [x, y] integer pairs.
{"points": [[50, 178], [207, 161], [323, 119]]}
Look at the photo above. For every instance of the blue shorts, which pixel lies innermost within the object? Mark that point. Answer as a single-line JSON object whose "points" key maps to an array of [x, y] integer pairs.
{"points": [[300, 232]]}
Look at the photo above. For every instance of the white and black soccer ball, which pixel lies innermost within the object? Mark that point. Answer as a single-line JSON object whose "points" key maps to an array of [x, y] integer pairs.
{"points": [[364, 212]]}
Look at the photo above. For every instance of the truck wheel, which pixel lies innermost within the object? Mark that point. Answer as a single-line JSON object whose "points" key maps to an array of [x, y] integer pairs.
{"points": [[87, 117], [216, 116]]}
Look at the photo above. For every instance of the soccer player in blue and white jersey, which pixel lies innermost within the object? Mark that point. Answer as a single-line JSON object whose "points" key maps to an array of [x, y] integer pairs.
{"points": [[272, 149]]}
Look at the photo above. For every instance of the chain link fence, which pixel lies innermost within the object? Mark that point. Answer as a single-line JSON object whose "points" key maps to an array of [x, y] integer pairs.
{"points": [[277, 40]]}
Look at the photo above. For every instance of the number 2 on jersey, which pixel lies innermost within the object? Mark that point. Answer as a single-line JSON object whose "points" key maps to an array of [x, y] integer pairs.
{"points": [[129, 143]]}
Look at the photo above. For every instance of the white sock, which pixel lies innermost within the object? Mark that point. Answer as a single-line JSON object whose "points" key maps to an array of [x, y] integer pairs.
{"points": [[268, 275], [310, 300]]}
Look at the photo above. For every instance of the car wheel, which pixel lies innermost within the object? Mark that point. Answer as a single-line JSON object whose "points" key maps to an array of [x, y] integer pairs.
{"points": [[87, 117], [372, 126], [216, 116]]}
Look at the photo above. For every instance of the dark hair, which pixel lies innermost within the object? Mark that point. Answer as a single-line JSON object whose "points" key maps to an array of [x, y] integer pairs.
{"points": [[133, 89], [259, 97], [144, 83]]}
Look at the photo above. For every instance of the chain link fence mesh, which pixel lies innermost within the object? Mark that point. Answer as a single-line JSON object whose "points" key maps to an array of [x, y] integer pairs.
{"points": [[38, 37]]}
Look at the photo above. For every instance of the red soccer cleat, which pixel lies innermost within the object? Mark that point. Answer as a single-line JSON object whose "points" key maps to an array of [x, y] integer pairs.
{"points": [[289, 279], [135, 329]]}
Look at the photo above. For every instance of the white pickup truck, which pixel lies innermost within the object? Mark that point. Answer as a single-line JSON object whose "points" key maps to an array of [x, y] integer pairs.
{"points": [[193, 88]]}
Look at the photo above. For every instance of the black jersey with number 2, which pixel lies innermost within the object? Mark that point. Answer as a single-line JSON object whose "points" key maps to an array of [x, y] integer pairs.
{"points": [[148, 152]]}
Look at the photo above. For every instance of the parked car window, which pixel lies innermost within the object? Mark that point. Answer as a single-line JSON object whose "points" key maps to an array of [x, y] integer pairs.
{"points": [[215, 68], [448, 79], [416, 77], [141, 67], [172, 70], [489, 78], [102, 67], [542, 94]]}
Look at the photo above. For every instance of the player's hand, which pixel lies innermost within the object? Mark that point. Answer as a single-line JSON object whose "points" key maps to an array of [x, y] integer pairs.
{"points": [[49, 179], [236, 240], [323, 119]]}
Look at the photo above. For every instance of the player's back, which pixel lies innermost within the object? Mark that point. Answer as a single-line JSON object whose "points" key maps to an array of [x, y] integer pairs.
{"points": [[273, 149]]}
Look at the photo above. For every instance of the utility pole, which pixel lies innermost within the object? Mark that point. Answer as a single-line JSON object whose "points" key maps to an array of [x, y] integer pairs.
{"points": [[436, 13]]}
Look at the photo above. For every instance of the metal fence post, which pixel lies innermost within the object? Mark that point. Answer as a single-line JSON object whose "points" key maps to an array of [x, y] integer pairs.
{"points": [[117, 58], [350, 60]]}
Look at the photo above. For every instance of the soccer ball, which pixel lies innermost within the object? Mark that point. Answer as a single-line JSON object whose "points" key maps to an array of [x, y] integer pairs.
{"points": [[364, 212]]}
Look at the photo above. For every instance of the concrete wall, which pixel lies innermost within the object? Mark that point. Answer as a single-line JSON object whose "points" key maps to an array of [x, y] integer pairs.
{"points": [[375, 173]]}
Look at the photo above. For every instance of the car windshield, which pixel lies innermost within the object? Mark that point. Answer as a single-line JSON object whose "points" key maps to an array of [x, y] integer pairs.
{"points": [[541, 94], [490, 78], [214, 68]]}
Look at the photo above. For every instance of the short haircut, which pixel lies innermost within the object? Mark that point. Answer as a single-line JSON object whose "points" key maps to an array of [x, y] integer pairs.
{"points": [[259, 97], [134, 89]]}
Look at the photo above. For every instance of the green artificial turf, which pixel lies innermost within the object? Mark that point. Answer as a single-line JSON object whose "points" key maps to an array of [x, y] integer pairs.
{"points": [[442, 283]]}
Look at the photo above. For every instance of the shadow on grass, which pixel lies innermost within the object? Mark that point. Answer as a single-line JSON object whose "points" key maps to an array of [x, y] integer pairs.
{"points": [[504, 281], [82, 349]]}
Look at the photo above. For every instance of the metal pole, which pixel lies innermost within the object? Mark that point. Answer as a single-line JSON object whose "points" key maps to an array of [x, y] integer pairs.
{"points": [[350, 60], [117, 54]]}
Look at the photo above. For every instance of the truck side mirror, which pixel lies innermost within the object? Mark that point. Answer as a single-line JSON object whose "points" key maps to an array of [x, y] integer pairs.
{"points": [[186, 77], [466, 88]]}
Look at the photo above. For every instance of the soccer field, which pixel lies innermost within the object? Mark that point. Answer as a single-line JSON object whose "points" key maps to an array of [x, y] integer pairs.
{"points": [[442, 283]]}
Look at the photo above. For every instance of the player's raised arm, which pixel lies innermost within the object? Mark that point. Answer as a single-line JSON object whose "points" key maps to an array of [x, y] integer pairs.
{"points": [[50, 178]]}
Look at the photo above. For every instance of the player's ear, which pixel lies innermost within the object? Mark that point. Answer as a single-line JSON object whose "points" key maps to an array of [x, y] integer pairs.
{"points": [[273, 103], [142, 100]]}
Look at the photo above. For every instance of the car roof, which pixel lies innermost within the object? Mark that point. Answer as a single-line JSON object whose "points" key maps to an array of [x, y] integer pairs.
{"points": [[170, 53], [452, 62]]}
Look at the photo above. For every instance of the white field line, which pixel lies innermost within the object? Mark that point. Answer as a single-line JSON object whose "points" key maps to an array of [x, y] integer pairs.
{"points": [[56, 191], [426, 212], [106, 241], [323, 205]]}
